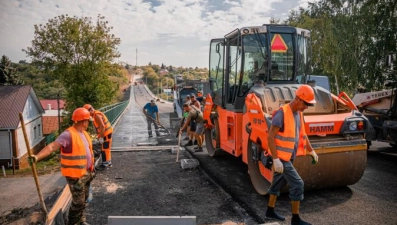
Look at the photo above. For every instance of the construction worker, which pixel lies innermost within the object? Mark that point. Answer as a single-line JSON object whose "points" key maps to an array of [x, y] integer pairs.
{"points": [[193, 101], [200, 98], [199, 94], [189, 133], [104, 134], [151, 112], [196, 116], [77, 162], [287, 139]]}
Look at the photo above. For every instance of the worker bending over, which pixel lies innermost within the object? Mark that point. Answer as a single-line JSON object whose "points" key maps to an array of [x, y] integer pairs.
{"points": [[104, 133]]}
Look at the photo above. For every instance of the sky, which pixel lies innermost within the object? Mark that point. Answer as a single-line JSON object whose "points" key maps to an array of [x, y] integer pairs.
{"points": [[172, 32]]}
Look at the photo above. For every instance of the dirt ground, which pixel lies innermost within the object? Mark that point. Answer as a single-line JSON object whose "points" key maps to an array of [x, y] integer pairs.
{"points": [[151, 183]]}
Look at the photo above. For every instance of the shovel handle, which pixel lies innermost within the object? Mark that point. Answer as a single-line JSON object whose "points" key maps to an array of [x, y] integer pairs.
{"points": [[179, 143], [36, 179]]}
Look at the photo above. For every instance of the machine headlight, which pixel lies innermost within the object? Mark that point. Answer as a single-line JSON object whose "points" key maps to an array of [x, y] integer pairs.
{"points": [[353, 126]]}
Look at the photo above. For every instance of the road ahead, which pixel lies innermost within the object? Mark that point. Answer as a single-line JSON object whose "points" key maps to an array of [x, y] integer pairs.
{"points": [[373, 200]]}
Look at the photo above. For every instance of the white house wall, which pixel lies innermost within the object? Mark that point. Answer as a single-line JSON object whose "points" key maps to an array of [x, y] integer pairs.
{"points": [[52, 112], [33, 126], [30, 111]]}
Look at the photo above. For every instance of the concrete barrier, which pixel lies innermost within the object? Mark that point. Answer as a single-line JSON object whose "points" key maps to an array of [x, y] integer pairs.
{"points": [[152, 220], [189, 163]]}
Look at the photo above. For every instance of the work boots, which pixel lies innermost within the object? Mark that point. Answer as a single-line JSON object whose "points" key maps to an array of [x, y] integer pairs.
{"points": [[190, 143], [273, 215], [198, 149], [296, 220]]}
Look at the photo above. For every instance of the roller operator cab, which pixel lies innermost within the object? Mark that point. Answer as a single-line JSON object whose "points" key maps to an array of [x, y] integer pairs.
{"points": [[252, 73]]}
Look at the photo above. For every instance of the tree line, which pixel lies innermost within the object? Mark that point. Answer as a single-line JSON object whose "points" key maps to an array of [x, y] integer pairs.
{"points": [[76, 55], [350, 41], [160, 77]]}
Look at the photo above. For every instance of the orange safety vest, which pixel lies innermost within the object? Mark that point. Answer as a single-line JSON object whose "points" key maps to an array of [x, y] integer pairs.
{"points": [[74, 164], [108, 126], [285, 141]]}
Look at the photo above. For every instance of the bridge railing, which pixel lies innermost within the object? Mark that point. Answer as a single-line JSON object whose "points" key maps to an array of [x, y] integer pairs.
{"points": [[114, 111]]}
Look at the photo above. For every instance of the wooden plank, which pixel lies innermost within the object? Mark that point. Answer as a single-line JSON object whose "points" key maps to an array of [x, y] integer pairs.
{"points": [[61, 204]]}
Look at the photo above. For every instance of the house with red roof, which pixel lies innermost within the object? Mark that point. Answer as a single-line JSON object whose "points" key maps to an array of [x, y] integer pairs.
{"points": [[13, 100], [53, 114]]}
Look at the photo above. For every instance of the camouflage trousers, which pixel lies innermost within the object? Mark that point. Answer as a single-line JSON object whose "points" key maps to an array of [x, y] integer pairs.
{"points": [[79, 189]]}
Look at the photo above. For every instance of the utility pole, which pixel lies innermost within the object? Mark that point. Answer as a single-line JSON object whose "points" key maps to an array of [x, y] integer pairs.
{"points": [[136, 59], [59, 113], [168, 87]]}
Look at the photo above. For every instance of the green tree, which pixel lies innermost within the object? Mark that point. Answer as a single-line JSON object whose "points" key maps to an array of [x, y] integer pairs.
{"points": [[80, 53], [8, 75], [350, 40]]}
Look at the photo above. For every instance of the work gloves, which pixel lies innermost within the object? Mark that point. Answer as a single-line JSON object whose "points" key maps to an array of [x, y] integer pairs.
{"points": [[101, 140], [278, 166], [314, 156], [32, 159]]}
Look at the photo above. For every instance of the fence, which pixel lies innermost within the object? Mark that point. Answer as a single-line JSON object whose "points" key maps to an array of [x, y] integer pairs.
{"points": [[114, 111], [50, 138]]}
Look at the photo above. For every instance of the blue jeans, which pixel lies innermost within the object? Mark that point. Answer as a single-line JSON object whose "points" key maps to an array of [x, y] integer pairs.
{"points": [[290, 176]]}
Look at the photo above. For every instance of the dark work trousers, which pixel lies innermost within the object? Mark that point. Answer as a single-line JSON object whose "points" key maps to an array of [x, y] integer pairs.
{"points": [[79, 188], [290, 176], [149, 127]]}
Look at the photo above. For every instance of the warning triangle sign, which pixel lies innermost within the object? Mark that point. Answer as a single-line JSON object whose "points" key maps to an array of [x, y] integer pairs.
{"points": [[278, 44]]}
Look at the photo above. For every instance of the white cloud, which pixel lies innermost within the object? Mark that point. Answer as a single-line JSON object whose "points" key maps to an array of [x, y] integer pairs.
{"points": [[173, 32]]}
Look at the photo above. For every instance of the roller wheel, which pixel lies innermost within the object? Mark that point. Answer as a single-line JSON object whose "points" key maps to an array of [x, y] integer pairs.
{"points": [[260, 184], [212, 139]]}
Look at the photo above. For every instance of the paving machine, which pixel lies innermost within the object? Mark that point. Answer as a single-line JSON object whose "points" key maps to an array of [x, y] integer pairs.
{"points": [[380, 107], [253, 72]]}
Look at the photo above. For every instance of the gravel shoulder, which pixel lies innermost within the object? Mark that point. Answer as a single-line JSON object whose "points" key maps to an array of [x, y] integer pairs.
{"points": [[151, 183]]}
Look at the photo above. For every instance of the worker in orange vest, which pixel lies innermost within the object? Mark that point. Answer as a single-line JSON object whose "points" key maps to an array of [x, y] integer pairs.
{"points": [[287, 139], [77, 162], [104, 133]]}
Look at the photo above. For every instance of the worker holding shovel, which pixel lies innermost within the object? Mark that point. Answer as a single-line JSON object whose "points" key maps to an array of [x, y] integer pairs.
{"points": [[152, 116], [77, 162]]}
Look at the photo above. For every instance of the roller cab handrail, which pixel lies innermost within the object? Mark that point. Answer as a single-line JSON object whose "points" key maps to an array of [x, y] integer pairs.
{"points": [[258, 126], [345, 100], [207, 112]]}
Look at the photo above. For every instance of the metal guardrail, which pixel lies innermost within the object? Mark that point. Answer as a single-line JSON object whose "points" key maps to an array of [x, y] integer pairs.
{"points": [[113, 112], [50, 138]]}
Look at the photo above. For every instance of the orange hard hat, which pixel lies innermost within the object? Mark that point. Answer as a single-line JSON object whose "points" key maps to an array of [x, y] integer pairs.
{"points": [[80, 114], [306, 93], [87, 106]]}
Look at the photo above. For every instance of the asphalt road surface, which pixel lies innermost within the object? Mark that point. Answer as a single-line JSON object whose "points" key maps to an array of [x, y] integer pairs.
{"points": [[372, 200], [151, 183]]}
